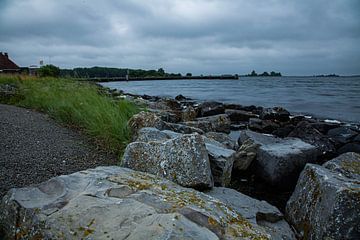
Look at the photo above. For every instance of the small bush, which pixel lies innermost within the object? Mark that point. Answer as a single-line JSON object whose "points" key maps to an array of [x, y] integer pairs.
{"points": [[49, 71]]}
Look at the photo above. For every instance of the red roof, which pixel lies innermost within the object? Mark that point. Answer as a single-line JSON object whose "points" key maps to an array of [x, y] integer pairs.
{"points": [[6, 63]]}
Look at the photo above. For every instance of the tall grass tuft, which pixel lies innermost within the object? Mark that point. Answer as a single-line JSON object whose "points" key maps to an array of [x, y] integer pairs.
{"points": [[77, 104]]}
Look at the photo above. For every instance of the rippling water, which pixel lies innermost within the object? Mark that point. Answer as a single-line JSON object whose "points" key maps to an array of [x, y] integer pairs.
{"points": [[332, 98]]}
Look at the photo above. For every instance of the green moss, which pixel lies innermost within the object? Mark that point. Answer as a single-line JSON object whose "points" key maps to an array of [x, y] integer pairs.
{"points": [[351, 166]]}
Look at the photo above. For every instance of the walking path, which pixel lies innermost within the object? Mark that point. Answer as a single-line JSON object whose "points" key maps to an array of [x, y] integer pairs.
{"points": [[34, 148]]}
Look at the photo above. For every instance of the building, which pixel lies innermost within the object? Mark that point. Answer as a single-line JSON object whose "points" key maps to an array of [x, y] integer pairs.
{"points": [[6, 65]]}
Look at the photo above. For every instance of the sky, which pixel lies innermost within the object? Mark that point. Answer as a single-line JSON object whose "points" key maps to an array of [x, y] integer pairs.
{"points": [[304, 37]]}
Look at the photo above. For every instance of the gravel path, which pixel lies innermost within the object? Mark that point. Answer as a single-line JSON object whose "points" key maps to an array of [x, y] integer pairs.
{"points": [[33, 148]]}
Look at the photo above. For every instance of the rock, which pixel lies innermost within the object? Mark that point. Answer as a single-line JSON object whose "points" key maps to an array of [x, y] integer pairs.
{"points": [[211, 108], [181, 98], [350, 147], [236, 127], [263, 126], [245, 155], [276, 113], [306, 132], [181, 128], [223, 138], [283, 131], [167, 116], [217, 123], [221, 159], [239, 115], [278, 161], [146, 119], [255, 211], [8, 91], [188, 114], [152, 135], [324, 127], [341, 135], [221, 162], [357, 138], [183, 160], [119, 203], [326, 202]]}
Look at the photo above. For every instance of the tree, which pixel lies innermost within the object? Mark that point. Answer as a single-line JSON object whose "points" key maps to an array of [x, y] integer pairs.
{"points": [[189, 74], [161, 71], [253, 73], [264, 74], [49, 71]]}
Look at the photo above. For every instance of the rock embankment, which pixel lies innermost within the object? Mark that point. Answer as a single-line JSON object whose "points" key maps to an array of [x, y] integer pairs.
{"points": [[181, 148]]}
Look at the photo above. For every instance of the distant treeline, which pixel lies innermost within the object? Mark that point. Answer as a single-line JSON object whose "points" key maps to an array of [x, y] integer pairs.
{"points": [[104, 72], [264, 74]]}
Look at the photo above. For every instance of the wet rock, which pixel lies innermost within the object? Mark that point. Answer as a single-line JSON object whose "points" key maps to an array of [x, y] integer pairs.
{"points": [[217, 123], [146, 119], [119, 203], [325, 203], [181, 98], [239, 115], [221, 162], [341, 135], [255, 211], [276, 113], [350, 147], [306, 132], [223, 138], [210, 109], [278, 161], [357, 138], [183, 160]]}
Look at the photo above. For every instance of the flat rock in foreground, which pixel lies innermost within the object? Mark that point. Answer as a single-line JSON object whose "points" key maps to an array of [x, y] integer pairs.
{"points": [[119, 203], [326, 201]]}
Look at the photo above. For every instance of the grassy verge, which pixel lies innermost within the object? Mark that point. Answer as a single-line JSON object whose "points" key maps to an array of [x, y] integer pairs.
{"points": [[76, 104]]}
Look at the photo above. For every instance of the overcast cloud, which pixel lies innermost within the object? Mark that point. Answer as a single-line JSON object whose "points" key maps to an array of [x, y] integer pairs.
{"points": [[215, 36]]}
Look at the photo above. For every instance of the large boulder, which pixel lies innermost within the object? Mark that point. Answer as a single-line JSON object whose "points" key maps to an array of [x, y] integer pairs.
{"points": [[183, 160], [119, 203], [221, 159], [306, 132], [278, 161], [326, 200], [188, 114], [211, 108], [255, 211], [217, 123]]}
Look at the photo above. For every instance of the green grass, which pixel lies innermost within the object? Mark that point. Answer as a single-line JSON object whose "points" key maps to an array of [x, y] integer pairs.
{"points": [[79, 105]]}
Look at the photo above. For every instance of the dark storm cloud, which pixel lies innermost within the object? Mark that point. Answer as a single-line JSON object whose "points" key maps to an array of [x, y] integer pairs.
{"points": [[295, 37]]}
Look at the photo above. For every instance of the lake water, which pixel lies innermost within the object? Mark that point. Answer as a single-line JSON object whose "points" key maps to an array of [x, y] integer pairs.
{"points": [[331, 98]]}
